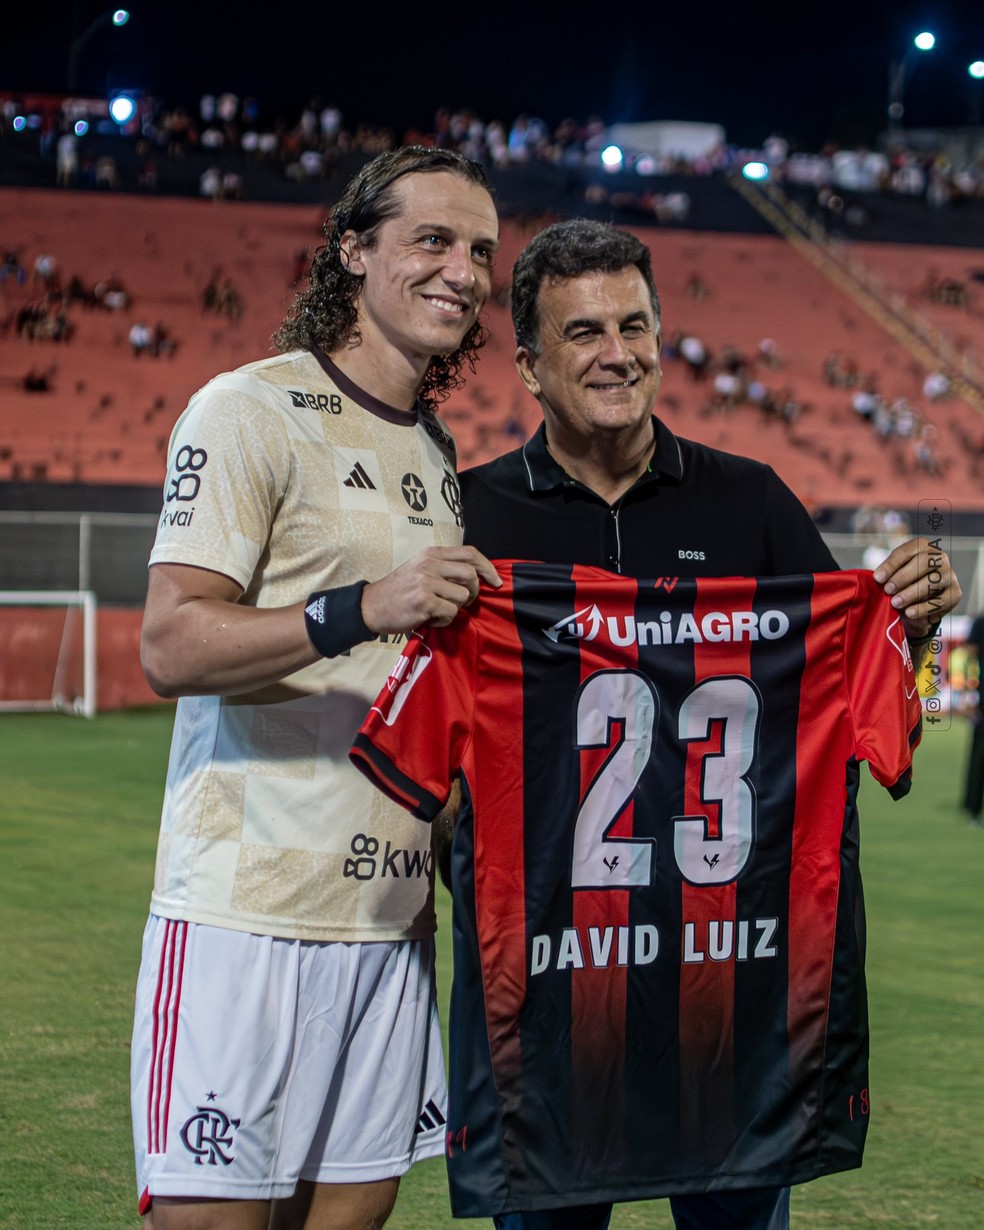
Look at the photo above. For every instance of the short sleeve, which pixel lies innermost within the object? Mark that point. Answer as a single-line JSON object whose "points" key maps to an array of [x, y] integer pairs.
{"points": [[413, 740], [228, 466], [884, 694], [793, 543]]}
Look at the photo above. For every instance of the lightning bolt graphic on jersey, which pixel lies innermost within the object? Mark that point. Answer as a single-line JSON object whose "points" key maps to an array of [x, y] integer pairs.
{"points": [[573, 629]]}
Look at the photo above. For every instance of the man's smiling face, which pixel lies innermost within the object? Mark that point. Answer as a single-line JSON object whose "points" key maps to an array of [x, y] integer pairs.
{"points": [[597, 368]]}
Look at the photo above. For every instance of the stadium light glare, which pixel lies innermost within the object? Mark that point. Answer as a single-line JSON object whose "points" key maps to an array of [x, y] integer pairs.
{"points": [[976, 69], [81, 127], [120, 17], [122, 108], [611, 158], [19, 124], [925, 41], [755, 170]]}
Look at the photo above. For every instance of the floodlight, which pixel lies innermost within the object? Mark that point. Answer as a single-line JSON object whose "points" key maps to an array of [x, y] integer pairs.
{"points": [[122, 108]]}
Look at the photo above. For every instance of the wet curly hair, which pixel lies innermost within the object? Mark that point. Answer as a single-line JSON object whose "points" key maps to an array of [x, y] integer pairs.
{"points": [[324, 316]]}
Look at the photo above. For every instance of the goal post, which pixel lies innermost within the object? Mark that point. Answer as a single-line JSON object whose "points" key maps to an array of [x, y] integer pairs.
{"points": [[49, 661]]}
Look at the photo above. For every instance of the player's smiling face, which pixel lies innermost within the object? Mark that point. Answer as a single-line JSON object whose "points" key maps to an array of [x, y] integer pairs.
{"points": [[429, 272], [598, 365]]}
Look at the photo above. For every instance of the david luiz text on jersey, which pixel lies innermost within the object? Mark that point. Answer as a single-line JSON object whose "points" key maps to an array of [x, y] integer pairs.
{"points": [[745, 939]]}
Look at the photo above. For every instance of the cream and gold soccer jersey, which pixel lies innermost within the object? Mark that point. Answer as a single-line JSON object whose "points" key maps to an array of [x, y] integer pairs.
{"points": [[288, 478]]}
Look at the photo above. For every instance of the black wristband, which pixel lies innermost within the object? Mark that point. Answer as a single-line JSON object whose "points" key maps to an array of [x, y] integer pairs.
{"points": [[333, 618]]}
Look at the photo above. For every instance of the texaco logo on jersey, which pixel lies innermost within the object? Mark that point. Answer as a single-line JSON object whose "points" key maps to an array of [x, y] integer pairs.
{"points": [[414, 492], [415, 495]]}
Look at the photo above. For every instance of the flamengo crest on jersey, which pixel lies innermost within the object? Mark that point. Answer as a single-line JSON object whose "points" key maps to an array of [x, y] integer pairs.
{"points": [[659, 929]]}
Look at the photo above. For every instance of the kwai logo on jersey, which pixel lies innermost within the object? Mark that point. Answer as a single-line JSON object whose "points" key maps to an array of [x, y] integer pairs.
{"points": [[393, 863], [186, 479], [209, 1135], [671, 628]]}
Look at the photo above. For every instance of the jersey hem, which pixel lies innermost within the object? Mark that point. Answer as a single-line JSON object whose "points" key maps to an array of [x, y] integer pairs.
{"points": [[315, 934], [595, 1194]]}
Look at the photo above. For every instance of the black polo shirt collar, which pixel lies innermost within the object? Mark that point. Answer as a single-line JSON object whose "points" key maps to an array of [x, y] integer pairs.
{"points": [[544, 474]]}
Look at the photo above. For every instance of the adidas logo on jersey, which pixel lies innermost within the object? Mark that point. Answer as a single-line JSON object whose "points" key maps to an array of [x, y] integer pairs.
{"points": [[316, 610], [430, 1118], [359, 478]]}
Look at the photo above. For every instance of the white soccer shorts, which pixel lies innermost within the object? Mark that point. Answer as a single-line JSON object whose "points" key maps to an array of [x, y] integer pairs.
{"points": [[259, 1061]]}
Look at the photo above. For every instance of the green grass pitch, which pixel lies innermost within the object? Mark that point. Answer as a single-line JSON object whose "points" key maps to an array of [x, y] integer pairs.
{"points": [[79, 806]]}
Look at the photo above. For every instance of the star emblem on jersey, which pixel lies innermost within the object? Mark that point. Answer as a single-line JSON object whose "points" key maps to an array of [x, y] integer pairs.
{"points": [[413, 492], [316, 610]]}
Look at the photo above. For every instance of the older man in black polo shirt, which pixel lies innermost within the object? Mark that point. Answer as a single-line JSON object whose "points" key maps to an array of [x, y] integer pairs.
{"points": [[603, 482]]}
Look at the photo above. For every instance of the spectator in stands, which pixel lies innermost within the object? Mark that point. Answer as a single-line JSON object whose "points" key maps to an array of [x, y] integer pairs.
{"points": [[229, 302], [140, 338], [696, 287], [45, 270], [66, 159], [11, 267], [111, 294], [768, 354], [306, 992], [695, 354], [210, 183], [38, 381], [936, 386]]}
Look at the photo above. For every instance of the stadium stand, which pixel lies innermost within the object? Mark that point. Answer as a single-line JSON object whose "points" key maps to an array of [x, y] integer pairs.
{"points": [[105, 412], [841, 347]]}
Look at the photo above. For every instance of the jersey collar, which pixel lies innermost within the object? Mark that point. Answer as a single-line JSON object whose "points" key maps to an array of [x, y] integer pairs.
{"points": [[348, 387], [543, 473]]}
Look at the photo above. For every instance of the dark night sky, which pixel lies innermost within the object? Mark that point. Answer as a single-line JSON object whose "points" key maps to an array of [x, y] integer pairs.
{"points": [[813, 77]]}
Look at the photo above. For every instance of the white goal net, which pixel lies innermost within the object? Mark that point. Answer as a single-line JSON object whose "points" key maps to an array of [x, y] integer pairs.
{"points": [[49, 651]]}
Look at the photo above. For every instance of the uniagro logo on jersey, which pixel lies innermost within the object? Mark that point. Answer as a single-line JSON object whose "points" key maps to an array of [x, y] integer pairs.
{"points": [[670, 628]]}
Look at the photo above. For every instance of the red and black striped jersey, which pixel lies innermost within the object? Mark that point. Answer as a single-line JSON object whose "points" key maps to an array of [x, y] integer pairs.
{"points": [[658, 918]]}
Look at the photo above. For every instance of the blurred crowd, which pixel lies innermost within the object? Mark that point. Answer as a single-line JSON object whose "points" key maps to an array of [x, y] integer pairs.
{"points": [[306, 144]]}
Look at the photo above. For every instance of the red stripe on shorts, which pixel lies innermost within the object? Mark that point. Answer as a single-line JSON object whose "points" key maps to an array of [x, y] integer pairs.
{"points": [[167, 1002]]}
